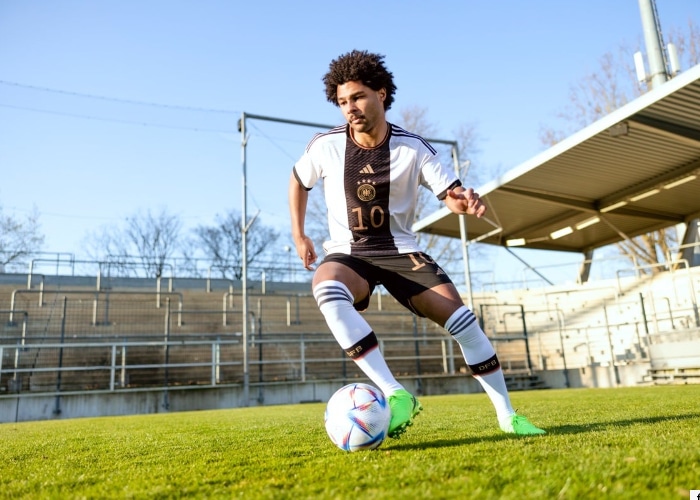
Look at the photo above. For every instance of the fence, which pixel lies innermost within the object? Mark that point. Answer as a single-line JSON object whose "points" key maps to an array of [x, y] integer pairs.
{"points": [[81, 340], [125, 365], [70, 339]]}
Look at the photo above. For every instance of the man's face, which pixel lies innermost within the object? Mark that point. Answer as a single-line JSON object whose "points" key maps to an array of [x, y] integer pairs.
{"points": [[362, 107]]}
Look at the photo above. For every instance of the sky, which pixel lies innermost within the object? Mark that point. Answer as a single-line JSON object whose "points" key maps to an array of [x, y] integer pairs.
{"points": [[109, 109]]}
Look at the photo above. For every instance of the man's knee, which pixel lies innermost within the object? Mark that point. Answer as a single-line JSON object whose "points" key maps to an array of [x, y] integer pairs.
{"points": [[334, 271]]}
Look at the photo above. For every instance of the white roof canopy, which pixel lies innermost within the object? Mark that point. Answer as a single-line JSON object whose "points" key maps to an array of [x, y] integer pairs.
{"points": [[634, 171]]}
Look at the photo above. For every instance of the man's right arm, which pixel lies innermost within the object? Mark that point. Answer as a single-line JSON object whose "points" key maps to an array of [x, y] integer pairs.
{"points": [[298, 199]]}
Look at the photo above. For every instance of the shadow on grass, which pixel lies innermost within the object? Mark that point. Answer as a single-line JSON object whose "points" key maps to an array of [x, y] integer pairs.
{"points": [[576, 429], [551, 431]]}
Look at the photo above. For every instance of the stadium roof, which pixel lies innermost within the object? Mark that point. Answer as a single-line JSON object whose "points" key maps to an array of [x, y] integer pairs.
{"points": [[634, 171]]}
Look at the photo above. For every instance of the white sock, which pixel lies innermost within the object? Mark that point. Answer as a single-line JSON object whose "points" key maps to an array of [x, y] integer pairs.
{"points": [[354, 334], [374, 366], [481, 358]]}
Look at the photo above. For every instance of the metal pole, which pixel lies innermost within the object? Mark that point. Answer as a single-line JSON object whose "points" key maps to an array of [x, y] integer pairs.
{"points": [[529, 266], [560, 318], [653, 43], [57, 405], [244, 264], [616, 373], [527, 341], [166, 356], [416, 348], [464, 238]]}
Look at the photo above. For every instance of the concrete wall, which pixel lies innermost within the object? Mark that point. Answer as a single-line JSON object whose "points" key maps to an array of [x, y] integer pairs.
{"points": [[597, 376], [29, 407]]}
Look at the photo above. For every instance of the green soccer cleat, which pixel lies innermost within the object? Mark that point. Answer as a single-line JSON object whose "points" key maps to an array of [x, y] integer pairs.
{"points": [[520, 425], [404, 406]]}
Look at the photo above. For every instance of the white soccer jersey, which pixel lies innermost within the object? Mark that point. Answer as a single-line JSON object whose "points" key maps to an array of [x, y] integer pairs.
{"points": [[371, 194]]}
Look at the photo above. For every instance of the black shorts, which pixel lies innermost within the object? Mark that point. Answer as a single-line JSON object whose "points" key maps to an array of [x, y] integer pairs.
{"points": [[404, 276]]}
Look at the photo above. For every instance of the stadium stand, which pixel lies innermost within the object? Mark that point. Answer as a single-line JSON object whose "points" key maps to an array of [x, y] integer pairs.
{"points": [[66, 336]]}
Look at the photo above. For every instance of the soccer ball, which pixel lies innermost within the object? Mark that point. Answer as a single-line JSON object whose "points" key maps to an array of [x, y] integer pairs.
{"points": [[357, 417]]}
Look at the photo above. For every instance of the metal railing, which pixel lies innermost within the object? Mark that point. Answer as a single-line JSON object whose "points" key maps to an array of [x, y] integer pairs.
{"points": [[97, 298], [60, 367]]}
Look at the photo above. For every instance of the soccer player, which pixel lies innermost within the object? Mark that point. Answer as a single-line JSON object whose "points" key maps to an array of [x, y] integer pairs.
{"points": [[371, 172]]}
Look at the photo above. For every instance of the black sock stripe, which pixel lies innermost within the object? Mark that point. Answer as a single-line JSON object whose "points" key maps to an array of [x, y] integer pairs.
{"points": [[362, 347], [463, 322], [490, 365], [330, 293]]}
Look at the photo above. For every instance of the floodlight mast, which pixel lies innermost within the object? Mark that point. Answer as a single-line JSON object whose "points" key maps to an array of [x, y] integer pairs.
{"points": [[658, 63], [662, 68]]}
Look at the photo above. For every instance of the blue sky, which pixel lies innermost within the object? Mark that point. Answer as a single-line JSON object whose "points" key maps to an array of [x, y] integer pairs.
{"points": [[174, 77]]}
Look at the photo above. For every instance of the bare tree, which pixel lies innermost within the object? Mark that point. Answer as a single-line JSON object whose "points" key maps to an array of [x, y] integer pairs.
{"points": [[19, 238], [222, 243], [687, 41], [597, 94], [612, 85], [145, 240]]}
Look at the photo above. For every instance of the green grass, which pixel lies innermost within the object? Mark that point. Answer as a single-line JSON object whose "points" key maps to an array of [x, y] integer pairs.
{"points": [[641, 442]]}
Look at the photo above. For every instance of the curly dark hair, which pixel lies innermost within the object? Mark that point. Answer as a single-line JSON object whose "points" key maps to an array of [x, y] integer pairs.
{"points": [[362, 66]]}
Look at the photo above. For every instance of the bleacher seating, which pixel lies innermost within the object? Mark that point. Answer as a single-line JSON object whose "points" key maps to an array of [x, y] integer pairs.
{"points": [[609, 323]]}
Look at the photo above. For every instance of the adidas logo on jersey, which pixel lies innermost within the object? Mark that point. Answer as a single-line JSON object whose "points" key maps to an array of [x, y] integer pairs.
{"points": [[367, 170]]}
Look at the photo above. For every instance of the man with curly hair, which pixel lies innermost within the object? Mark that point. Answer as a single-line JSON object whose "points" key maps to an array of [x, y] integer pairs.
{"points": [[371, 171]]}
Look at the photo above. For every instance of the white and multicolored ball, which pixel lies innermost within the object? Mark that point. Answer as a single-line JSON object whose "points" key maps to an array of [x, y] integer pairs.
{"points": [[357, 417]]}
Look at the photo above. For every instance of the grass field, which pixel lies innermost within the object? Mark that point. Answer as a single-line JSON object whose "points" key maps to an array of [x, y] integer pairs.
{"points": [[641, 442]]}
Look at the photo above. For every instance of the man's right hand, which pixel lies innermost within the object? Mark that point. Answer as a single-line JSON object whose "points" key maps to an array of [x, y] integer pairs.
{"points": [[306, 252]]}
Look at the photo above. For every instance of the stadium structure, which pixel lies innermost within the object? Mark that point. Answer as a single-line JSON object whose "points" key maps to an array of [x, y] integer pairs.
{"points": [[105, 342], [75, 346]]}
